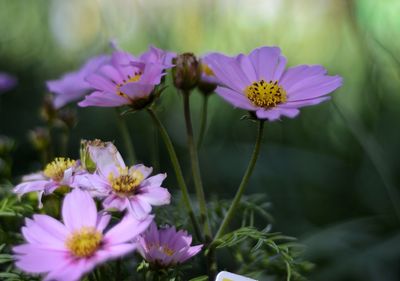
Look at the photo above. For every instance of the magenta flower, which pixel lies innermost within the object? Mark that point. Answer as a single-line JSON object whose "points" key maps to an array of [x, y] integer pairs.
{"points": [[72, 86], [120, 186], [127, 80], [259, 82], [7, 82], [66, 251], [166, 247], [57, 173]]}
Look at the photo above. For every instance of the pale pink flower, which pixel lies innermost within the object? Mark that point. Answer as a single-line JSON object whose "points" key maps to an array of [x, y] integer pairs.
{"points": [[66, 251]]}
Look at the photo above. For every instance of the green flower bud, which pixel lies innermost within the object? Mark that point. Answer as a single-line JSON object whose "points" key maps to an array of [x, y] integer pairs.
{"points": [[186, 72]]}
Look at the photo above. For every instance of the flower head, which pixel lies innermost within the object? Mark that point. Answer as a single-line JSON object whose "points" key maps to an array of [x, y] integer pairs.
{"points": [[260, 83], [68, 250], [72, 86], [127, 80], [60, 172], [122, 187], [166, 247], [7, 82]]}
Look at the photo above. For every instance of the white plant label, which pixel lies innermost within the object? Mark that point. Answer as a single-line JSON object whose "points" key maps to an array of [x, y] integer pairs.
{"points": [[227, 276]]}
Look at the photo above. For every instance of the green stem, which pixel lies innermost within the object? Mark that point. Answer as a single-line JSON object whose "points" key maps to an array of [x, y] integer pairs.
{"points": [[203, 125], [178, 171], [196, 168], [64, 141], [243, 184], [126, 137]]}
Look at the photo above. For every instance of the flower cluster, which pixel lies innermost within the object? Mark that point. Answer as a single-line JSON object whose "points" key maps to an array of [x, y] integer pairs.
{"points": [[258, 82], [66, 251]]}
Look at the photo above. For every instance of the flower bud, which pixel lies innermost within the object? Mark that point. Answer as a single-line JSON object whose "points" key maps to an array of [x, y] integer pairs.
{"points": [[86, 160], [40, 138], [68, 117], [208, 82], [48, 112], [186, 72]]}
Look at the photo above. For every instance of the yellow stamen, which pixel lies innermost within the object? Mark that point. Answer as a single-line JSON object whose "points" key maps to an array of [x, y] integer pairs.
{"points": [[55, 169], [169, 252], [134, 78], [207, 70], [126, 182], [84, 242], [263, 94]]}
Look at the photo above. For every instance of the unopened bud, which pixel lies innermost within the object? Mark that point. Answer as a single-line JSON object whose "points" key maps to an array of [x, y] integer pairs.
{"points": [[40, 138], [48, 112], [86, 160], [186, 72], [68, 117]]}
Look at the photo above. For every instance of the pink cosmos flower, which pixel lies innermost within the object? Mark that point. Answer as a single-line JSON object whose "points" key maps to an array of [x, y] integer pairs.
{"points": [[166, 247], [72, 86], [7, 82], [120, 186], [127, 80], [66, 251], [260, 83], [57, 173]]}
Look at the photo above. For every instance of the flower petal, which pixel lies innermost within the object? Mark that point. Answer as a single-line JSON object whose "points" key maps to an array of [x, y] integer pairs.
{"points": [[265, 61], [103, 99], [77, 203], [235, 98], [127, 229]]}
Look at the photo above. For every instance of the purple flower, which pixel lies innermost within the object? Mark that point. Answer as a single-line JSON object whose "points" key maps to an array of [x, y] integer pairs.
{"points": [[127, 80], [72, 86], [166, 247], [60, 172], [123, 187], [259, 82], [66, 251], [7, 82]]}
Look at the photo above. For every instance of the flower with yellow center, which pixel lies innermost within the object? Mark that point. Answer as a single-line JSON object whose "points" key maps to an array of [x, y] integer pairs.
{"points": [[259, 82], [55, 169], [127, 181], [84, 242], [266, 94]]}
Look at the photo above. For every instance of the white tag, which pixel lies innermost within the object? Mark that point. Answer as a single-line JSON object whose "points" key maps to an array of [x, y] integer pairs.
{"points": [[227, 276]]}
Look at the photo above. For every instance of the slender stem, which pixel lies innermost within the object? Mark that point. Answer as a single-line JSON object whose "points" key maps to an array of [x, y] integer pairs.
{"points": [[243, 184], [196, 168], [126, 137], [203, 125], [178, 171], [64, 141]]}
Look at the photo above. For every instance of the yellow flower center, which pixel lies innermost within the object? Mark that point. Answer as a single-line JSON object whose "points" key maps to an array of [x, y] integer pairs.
{"points": [[263, 94], [207, 70], [55, 169], [131, 79], [127, 181], [84, 242], [168, 251]]}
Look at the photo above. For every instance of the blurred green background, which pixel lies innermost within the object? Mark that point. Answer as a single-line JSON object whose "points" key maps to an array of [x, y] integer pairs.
{"points": [[332, 173]]}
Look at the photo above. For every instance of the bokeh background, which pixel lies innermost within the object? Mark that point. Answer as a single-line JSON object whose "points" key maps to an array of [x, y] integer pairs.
{"points": [[331, 174]]}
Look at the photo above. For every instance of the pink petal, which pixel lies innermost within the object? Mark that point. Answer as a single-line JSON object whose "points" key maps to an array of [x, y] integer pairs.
{"points": [[265, 60], [77, 203], [235, 98], [34, 259], [103, 99], [127, 229], [155, 196], [136, 90], [228, 71]]}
